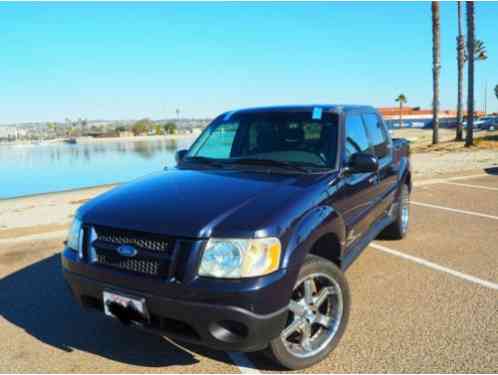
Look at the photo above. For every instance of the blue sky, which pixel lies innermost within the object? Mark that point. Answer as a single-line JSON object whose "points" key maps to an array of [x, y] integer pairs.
{"points": [[133, 60]]}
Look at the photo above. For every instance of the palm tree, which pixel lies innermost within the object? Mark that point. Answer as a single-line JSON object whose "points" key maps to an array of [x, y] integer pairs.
{"points": [[496, 91], [436, 68], [401, 99], [480, 52], [461, 63], [469, 141]]}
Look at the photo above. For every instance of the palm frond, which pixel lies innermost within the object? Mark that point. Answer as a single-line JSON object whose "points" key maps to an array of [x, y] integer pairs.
{"points": [[480, 52], [401, 98]]}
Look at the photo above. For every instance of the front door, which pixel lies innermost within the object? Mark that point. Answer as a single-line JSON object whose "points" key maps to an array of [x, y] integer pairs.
{"points": [[355, 191]]}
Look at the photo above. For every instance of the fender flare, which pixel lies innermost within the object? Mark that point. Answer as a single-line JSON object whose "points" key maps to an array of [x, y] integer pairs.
{"points": [[318, 222]]}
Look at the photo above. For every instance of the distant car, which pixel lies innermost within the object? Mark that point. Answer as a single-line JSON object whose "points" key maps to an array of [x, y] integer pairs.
{"points": [[243, 245], [478, 125], [489, 123]]}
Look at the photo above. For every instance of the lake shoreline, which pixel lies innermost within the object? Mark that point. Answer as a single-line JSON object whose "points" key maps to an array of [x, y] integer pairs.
{"points": [[59, 192], [419, 177], [139, 138], [92, 140], [38, 210], [425, 166], [50, 212], [31, 170]]}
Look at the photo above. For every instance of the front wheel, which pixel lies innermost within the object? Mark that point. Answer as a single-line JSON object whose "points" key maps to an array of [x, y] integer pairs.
{"points": [[318, 315]]}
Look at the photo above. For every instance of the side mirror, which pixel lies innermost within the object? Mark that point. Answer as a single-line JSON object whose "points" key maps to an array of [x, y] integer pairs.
{"points": [[179, 155], [363, 162]]}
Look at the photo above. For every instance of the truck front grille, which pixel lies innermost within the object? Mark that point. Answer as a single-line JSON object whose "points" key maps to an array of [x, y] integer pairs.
{"points": [[154, 253], [149, 267], [122, 237]]}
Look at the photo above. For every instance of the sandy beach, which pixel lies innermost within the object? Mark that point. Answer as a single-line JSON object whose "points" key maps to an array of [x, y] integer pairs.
{"points": [[42, 213]]}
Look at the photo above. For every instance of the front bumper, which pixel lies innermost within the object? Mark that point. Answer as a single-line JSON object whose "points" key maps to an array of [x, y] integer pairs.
{"points": [[213, 324]]}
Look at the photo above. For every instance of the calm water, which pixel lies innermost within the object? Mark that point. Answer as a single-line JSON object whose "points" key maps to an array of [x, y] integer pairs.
{"points": [[33, 169]]}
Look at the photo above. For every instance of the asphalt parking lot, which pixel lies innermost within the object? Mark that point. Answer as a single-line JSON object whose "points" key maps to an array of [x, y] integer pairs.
{"points": [[428, 303]]}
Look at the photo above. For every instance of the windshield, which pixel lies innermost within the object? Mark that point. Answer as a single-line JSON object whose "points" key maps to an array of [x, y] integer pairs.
{"points": [[307, 138]]}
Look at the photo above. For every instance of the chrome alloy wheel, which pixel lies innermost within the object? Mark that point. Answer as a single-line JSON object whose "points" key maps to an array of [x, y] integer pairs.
{"points": [[316, 310], [405, 212]]}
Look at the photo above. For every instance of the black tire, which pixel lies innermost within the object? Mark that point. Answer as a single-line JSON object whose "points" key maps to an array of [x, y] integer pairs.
{"points": [[398, 230], [278, 351]]}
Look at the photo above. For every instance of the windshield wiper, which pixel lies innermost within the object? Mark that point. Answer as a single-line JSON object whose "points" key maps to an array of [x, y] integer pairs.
{"points": [[268, 162]]}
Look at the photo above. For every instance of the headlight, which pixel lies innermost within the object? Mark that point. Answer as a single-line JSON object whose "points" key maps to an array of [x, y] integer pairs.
{"points": [[239, 258], [74, 236]]}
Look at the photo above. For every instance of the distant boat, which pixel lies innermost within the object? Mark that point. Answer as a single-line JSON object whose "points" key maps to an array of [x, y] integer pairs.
{"points": [[71, 141]]}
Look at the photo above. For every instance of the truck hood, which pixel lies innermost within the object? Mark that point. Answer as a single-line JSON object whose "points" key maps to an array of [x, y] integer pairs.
{"points": [[196, 203]]}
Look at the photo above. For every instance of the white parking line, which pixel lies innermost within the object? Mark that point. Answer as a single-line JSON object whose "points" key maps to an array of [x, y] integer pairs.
{"points": [[472, 186], [454, 210], [437, 267], [243, 363], [239, 359], [442, 180]]}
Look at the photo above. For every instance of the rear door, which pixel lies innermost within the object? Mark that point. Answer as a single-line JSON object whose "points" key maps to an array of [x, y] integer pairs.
{"points": [[356, 192], [382, 147]]}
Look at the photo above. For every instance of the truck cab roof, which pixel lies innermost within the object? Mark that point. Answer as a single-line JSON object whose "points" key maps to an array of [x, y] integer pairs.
{"points": [[306, 107]]}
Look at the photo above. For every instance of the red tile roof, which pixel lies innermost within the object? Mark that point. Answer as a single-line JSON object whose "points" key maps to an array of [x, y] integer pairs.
{"points": [[417, 111]]}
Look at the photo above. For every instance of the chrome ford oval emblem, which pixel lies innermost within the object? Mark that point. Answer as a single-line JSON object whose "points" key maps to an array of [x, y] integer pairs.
{"points": [[127, 251]]}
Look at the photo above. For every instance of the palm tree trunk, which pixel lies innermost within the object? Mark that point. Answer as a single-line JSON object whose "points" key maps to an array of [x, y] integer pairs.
{"points": [[436, 68], [400, 113], [460, 62], [469, 141]]}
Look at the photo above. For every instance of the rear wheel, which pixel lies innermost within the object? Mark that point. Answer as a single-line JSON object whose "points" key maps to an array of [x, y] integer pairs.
{"points": [[318, 314], [399, 227]]}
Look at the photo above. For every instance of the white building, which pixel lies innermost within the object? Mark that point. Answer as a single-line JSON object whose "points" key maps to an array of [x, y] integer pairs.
{"points": [[11, 132]]}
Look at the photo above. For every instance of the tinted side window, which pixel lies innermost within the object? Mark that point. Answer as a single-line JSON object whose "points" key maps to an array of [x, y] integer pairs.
{"points": [[356, 136], [377, 134]]}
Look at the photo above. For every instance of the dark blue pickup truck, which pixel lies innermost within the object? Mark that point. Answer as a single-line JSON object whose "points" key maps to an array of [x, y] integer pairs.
{"points": [[242, 246]]}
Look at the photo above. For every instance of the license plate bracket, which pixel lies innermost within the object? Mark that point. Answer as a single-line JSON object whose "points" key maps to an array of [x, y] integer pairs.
{"points": [[126, 308]]}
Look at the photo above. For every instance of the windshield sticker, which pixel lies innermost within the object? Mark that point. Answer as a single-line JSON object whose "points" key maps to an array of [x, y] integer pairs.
{"points": [[317, 113]]}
